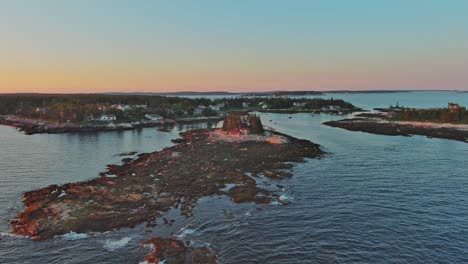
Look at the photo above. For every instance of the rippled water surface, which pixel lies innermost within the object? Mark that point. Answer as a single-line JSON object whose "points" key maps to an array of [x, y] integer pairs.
{"points": [[371, 199]]}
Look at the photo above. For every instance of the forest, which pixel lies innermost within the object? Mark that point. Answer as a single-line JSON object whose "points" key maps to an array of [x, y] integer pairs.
{"points": [[454, 113], [81, 107]]}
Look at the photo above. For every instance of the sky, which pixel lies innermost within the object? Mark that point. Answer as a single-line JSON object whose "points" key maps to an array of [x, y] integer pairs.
{"points": [[69, 46]]}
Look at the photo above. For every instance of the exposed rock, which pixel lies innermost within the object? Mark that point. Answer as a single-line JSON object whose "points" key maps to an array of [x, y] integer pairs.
{"points": [[383, 127], [172, 251], [140, 190]]}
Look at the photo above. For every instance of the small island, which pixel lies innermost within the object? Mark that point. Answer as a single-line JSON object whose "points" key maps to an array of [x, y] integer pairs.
{"points": [[43, 113], [226, 161], [449, 123]]}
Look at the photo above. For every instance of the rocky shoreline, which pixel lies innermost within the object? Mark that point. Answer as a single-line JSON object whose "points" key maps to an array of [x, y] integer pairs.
{"points": [[204, 164], [312, 111], [170, 250], [33, 126], [383, 127]]}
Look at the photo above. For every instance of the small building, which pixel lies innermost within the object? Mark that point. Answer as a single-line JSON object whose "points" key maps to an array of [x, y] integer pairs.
{"points": [[453, 107], [154, 117], [390, 114], [122, 107], [142, 107], [106, 118], [89, 118], [218, 106], [41, 110], [263, 105], [199, 110], [299, 104], [245, 105]]}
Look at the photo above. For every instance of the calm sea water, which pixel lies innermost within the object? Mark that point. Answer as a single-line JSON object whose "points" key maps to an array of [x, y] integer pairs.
{"points": [[371, 199]]}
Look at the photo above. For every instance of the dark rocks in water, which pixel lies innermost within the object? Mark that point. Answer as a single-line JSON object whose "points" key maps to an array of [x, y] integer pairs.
{"points": [[127, 160], [164, 130], [142, 189], [178, 140], [131, 153], [173, 251], [168, 221], [371, 115]]}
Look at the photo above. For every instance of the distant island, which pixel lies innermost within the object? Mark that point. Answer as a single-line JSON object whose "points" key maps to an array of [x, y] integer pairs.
{"points": [[58, 113], [449, 123]]}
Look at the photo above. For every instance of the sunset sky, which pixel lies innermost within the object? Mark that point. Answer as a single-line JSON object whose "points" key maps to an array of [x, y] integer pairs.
{"points": [[256, 45]]}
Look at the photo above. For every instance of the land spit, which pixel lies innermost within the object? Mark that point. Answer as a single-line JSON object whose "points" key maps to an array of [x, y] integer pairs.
{"points": [[203, 164], [375, 125]]}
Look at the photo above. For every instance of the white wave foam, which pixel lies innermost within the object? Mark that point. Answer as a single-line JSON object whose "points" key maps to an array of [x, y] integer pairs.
{"points": [[286, 198], [184, 231], [274, 202], [160, 262], [116, 244], [3, 234], [74, 236]]}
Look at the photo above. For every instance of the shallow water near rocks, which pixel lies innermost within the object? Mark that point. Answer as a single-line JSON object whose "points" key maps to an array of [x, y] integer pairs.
{"points": [[371, 199]]}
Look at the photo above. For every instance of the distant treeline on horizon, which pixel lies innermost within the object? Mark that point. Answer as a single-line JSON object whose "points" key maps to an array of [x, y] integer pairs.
{"points": [[82, 107]]}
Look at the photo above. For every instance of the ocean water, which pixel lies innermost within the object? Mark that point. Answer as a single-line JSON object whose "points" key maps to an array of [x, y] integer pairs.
{"points": [[371, 199]]}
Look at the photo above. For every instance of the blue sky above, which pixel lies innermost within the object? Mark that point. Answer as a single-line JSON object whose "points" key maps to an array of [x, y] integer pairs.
{"points": [[69, 46]]}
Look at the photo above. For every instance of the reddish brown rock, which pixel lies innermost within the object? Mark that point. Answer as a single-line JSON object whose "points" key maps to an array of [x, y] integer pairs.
{"points": [[174, 251], [140, 190]]}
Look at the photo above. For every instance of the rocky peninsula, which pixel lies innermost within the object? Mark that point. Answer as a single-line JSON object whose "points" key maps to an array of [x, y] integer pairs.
{"points": [[205, 163], [377, 124]]}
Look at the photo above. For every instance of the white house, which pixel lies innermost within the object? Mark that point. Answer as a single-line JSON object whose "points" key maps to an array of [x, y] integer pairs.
{"points": [[263, 105], [199, 110], [122, 107], [300, 104], [41, 110], [144, 107], [154, 117], [218, 106], [245, 105], [106, 118]]}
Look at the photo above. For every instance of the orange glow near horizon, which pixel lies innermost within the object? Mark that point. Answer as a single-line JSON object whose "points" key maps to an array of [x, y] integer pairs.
{"points": [[157, 46]]}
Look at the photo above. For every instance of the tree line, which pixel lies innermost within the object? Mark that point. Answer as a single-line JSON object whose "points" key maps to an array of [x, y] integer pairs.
{"points": [[236, 122], [78, 107], [446, 115]]}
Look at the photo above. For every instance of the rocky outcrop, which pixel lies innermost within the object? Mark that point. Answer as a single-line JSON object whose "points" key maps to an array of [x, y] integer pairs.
{"points": [[383, 127], [173, 251], [141, 189]]}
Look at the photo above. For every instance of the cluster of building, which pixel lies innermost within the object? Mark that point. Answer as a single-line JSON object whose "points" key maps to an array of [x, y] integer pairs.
{"points": [[122, 107]]}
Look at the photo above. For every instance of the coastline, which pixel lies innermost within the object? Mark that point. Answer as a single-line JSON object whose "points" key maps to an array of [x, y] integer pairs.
{"points": [[33, 126], [313, 111], [36, 126], [403, 128]]}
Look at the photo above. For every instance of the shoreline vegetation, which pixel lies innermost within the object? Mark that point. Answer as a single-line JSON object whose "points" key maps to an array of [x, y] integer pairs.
{"points": [[33, 126], [448, 123], [42, 113], [228, 161]]}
